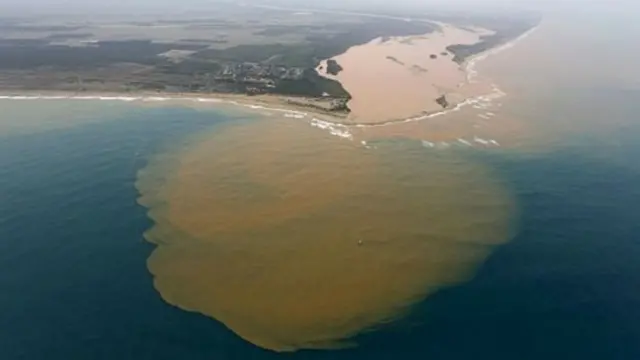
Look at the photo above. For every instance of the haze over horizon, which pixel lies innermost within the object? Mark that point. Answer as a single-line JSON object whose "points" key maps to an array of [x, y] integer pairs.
{"points": [[26, 7]]}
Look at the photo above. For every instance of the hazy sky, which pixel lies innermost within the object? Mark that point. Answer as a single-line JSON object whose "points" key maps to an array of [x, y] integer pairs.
{"points": [[307, 3], [360, 5]]}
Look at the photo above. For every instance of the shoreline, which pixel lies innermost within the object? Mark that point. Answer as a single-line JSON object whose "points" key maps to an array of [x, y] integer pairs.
{"points": [[258, 102], [334, 123], [272, 103], [470, 64]]}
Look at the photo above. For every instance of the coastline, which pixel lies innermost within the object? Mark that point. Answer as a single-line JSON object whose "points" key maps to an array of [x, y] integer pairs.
{"points": [[262, 103], [470, 64], [253, 102], [335, 123]]}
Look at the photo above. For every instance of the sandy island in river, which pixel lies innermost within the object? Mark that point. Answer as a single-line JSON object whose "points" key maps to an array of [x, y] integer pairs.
{"points": [[401, 77]]}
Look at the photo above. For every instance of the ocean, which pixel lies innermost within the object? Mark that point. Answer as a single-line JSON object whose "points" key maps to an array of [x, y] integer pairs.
{"points": [[109, 249]]}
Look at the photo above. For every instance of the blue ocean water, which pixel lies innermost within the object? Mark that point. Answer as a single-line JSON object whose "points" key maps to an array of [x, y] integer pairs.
{"points": [[74, 282]]}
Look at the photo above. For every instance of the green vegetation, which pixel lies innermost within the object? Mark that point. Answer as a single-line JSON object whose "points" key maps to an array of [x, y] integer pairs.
{"points": [[316, 47], [333, 67], [29, 54], [505, 31], [311, 84], [248, 52]]}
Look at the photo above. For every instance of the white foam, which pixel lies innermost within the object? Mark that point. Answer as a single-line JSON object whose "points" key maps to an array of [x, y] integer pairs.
{"points": [[334, 129], [464, 142], [366, 145], [428, 144], [209, 100], [298, 114], [22, 97], [481, 141], [261, 107], [294, 115], [155, 99]]}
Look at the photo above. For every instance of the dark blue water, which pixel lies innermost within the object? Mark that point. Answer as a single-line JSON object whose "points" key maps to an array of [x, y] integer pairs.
{"points": [[74, 282]]}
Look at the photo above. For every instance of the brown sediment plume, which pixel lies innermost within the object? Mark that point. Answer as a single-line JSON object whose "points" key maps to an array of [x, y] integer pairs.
{"points": [[294, 238]]}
